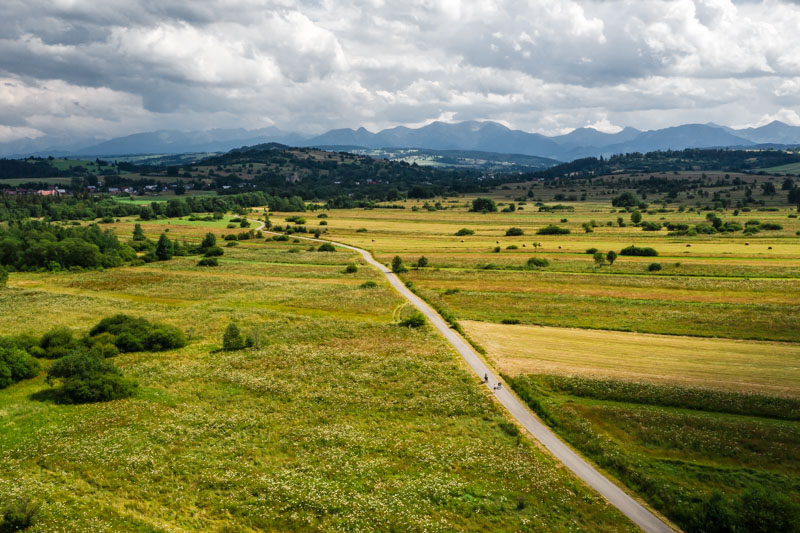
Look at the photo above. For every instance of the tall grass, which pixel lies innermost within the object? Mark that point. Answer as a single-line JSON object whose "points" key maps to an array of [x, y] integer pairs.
{"points": [[703, 399]]}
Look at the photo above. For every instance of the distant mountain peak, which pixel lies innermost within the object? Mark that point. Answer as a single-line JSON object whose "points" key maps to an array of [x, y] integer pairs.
{"points": [[470, 135]]}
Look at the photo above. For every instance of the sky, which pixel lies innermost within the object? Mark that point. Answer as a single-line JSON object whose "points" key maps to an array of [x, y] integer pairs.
{"points": [[106, 68]]}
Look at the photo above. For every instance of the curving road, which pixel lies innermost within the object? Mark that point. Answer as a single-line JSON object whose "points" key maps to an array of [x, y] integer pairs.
{"points": [[591, 476]]}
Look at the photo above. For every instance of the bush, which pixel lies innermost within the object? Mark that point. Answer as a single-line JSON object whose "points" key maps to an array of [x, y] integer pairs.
{"points": [[18, 516], [397, 265], [414, 320], [368, 285], [56, 343], [480, 205], [422, 262], [209, 241], [514, 232], [351, 269], [654, 267], [15, 364], [87, 378], [464, 232], [233, 339], [510, 321], [137, 334], [208, 262], [326, 247], [626, 199], [766, 512], [591, 251], [770, 226], [3, 277], [164, 248], [97, 388], [637, 251], [214, 251], [552, 229], [512, 431], [651, 226], [538, 262], [361, 230]]}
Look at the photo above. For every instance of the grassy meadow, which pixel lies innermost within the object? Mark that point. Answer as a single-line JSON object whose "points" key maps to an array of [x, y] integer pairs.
{"points": [[710, 461], [336, 420], [339, 419]]}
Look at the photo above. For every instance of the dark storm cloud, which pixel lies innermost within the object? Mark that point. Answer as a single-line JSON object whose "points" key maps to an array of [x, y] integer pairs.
{"points": [[114, 67]]}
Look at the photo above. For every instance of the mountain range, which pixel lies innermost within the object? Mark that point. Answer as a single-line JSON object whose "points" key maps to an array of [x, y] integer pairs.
{"points": [[470, 135]]}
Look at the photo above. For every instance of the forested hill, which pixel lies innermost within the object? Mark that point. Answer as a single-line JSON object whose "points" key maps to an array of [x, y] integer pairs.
{"points": [[671, 161], [314, 173]]}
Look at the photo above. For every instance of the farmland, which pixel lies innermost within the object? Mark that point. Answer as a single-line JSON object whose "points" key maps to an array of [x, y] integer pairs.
{"points": [[719, 314], [337, 419]]}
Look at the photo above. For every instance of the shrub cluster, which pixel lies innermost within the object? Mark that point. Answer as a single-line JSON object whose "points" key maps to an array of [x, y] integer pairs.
{"points": [[82, 366], [537, 262], [233, 339], [413, 320], [483, 205], [514, 232], [552, 229], [16, 363], [18, 515], [639, 251], [130, 334], [87, 377]]}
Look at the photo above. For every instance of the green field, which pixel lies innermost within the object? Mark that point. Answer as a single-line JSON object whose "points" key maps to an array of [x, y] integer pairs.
{"points": [[705, 469], [793, 168], [698, 321], [337, 420]]}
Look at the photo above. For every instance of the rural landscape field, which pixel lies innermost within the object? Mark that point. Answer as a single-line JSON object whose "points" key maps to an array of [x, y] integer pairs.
{"points": [[674, 371], [433, 266]]}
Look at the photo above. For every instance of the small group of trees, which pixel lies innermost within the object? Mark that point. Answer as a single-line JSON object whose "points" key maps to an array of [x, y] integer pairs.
{"points": [[234, 339], [82, 370], [483, 205], [397, 265], [162, 250], [600, 258], [208, 247], [35, 245]]}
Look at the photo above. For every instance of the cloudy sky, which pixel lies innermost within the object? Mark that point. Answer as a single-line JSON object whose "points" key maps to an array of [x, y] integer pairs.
{"points": [[113, 67]]}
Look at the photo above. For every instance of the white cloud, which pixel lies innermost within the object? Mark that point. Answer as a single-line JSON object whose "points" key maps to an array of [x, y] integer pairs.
{"points": [[542, 65]]}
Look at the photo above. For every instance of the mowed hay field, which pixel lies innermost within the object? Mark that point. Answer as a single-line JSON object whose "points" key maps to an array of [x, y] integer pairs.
{"points": [[336, 420], [735, 365]]}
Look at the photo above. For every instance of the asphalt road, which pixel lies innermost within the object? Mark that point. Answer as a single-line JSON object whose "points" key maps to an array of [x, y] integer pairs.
{"points": [[591, 476]]}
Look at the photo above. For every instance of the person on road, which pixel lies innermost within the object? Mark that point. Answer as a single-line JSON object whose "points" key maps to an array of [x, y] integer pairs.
{"points": [[486, 378]]}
